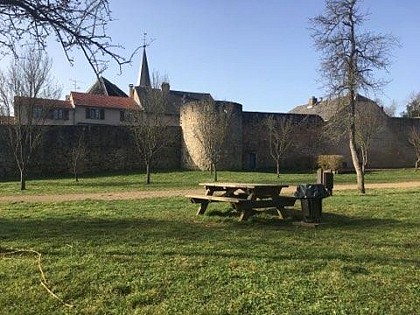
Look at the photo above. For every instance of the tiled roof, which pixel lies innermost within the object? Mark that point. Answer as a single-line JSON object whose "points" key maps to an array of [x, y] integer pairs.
{"points": [[102, 101], [326, 109], [102, 86], [42, 102], [190, 96], [175, 98], [7, 120]]}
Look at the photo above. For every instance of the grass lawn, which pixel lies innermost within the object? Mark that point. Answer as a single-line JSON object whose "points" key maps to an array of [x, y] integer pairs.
{"points": [[119, 182], [155, 256]]}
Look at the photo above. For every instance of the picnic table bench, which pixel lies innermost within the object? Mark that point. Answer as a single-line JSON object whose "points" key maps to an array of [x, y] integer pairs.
{"points": [[244, 197]]}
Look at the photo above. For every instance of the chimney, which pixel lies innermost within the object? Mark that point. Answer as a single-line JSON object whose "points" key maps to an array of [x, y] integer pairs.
{"points": [[312, 102], [131, 90], [165, 87]]}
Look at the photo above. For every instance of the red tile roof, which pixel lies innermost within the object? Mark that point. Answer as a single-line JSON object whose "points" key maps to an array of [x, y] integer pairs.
{"points": [[42, 102], [102, 101]]}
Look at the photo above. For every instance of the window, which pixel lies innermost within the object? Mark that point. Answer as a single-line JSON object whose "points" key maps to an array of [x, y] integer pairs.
{"points": [[122, 115], [37, 112], [60, 114], [95, 113]]}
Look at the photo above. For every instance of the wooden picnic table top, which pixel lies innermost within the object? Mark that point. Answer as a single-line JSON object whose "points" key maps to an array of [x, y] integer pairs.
{"points": [[244, 185]]}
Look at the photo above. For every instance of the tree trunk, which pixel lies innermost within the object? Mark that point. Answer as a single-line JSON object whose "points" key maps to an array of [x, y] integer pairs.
{"points": [[22, 180], [352, 144], [356, 165], [364, 153], [147, 172], [363, 166], [417, 164], [76, 177], [278, 168], [214, 172]]}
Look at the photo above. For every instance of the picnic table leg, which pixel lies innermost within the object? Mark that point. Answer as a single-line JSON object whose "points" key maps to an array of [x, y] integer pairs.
{"points": [[203, 207], [280, 210], [245, 214]]}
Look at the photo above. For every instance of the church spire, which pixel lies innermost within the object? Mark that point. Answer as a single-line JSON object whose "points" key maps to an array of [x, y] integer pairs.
{"points": [[144, 76]]}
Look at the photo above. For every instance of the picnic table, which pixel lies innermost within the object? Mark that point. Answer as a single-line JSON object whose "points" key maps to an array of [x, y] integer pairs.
{"points": [[244, 197]]}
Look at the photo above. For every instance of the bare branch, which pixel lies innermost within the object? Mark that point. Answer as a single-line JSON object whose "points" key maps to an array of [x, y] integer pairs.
{"points": [[74, 23]]}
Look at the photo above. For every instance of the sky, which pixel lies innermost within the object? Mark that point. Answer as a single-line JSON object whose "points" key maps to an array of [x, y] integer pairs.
{"points": [[258, 53]]}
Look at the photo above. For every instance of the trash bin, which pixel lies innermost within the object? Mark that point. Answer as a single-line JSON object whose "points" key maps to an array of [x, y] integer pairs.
{"points": [[311, 196]]}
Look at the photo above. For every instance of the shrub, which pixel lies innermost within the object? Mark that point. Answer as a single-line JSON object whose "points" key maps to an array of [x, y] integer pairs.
{"points": [[330, 162]]}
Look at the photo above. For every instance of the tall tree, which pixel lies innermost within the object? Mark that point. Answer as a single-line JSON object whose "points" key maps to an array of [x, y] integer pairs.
{"points": [[148, 125], [414, 140], [22, 88], [211, 131], [280, 132], [349, 56], [73, 23]]}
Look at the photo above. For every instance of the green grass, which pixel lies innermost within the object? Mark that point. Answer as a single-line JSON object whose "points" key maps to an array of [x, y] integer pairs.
{"points": [[157, 257], [184, 179]]}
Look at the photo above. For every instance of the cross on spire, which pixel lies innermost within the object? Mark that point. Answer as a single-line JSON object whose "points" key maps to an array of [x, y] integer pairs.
{"points": [[144, 76]]}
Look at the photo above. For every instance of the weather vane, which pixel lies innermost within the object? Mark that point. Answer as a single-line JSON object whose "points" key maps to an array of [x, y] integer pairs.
{"points": [[145, 42]]}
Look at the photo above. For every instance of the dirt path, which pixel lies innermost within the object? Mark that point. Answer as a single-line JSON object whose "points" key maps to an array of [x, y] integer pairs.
{"points": [[169, 193]]}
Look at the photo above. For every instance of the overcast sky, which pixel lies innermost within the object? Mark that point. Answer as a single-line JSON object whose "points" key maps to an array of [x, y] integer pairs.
{"points": [[255, 52]]}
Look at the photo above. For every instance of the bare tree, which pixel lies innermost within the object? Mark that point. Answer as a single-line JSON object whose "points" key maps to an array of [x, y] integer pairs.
{"points": [[211, 131], [78, 152], [73, 23], [369, 121], [21, 86], [412, 109], [148, 125], [414, 140], [391, 109], [350, 54], [280, 132]]}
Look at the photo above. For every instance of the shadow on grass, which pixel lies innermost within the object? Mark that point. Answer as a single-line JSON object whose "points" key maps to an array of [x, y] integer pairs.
{"points": [[260, 238], [270, 217]]}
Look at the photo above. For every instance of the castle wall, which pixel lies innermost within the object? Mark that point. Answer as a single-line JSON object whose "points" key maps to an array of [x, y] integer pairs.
{"points": [[256, 143], [390, 148], [108, 148]]}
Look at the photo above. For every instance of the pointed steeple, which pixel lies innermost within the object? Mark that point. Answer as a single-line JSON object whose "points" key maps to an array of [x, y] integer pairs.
{"points": [[144, 76]]}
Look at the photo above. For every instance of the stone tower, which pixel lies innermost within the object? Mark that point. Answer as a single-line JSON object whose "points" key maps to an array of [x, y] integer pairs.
{"points": [[192, 156]]}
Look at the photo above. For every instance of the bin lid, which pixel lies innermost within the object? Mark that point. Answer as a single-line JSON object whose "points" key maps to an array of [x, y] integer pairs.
{"points": [[311, 191]]}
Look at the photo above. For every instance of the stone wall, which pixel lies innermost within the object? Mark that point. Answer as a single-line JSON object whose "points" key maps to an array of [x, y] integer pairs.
{"points": [[390, 148], [108, 148], [256, 144]]}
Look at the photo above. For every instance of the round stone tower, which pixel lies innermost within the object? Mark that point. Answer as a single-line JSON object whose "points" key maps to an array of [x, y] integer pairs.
{"points": [[192, 154]]}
